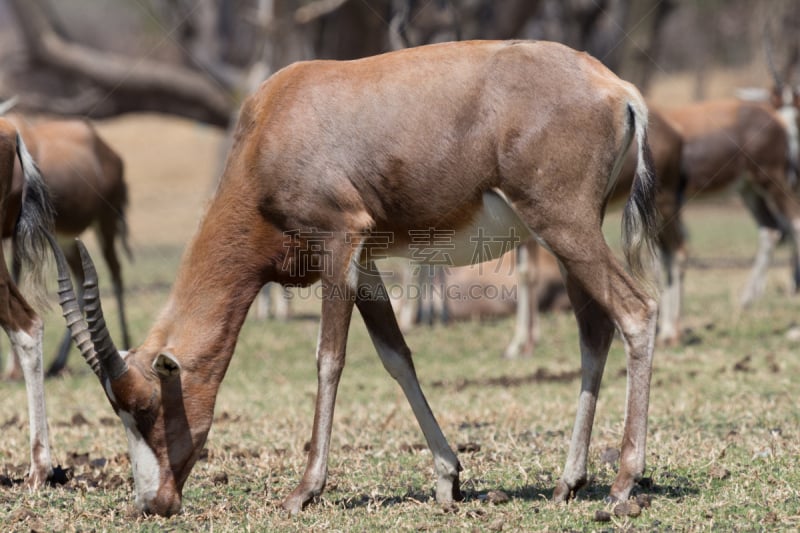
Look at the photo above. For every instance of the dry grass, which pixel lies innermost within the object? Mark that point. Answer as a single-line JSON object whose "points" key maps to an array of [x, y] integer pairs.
{"points": [[723, 450], [677, 88]]}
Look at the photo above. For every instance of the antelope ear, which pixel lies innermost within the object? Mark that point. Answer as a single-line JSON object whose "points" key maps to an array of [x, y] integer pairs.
{"points": [[166, 365]]}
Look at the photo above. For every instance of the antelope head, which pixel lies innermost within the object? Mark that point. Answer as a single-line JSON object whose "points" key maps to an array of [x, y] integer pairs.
{"points": [[145, 389]]}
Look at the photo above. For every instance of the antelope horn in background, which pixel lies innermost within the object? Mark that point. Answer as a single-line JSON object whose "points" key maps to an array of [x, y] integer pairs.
{"points": [[6, 106], [770, 59], [114, 366], [78, 328], [780, 78]]}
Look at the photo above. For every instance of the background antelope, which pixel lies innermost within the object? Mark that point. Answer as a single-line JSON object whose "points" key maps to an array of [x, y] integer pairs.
{"points": [[85, 178], [331, 157], [32, 218], [729, 142]]}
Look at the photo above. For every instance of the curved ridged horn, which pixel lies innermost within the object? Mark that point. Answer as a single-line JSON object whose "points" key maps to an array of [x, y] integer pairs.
{"points": [[114, 366], [78, 328]]}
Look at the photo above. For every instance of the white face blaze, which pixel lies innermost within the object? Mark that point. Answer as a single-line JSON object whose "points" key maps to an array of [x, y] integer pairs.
{"points": [[146, 472], [789, 116]]}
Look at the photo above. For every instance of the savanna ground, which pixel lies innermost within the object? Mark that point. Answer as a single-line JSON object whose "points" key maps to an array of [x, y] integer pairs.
{"points": [[723, 447]]}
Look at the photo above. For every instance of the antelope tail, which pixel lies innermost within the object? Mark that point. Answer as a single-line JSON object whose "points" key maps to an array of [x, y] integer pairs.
{"points": [[34, 222], [640, 221]]}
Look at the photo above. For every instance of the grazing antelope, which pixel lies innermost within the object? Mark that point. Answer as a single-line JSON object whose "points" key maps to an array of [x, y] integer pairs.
{"points": [[733, 141], [667, 145], [20, 322], [85, 179], [337, 163]]}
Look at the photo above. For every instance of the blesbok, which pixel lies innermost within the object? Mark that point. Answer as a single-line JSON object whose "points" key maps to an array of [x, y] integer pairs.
{"points": [[666, 144], [20, 322], [734, 141], [85, 178], [337, 163]]}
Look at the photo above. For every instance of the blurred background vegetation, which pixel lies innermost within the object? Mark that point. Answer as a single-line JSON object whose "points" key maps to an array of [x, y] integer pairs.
{"points": [[198, 58]]}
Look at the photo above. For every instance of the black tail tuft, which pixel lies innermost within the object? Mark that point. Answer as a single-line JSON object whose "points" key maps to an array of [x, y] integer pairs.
{"points": [[640, 219], [35, 220]]}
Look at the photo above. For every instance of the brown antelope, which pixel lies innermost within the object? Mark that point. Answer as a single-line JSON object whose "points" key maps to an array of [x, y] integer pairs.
{"points": [[734, 141], [666, 144], [20, 322], [85, 179], [337, 163]]}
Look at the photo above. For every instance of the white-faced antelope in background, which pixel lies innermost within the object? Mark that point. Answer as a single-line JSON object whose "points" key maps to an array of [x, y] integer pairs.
{"points": [[330, 158], [729, 142], [33, 217], [85, 178]]}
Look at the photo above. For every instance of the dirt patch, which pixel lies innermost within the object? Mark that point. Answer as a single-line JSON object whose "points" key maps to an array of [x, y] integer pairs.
{"points": [[542, 375]]}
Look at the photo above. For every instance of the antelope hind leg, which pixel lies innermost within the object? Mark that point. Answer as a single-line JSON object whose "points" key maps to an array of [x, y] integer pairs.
{"points": [[610, 296], [596, 333]]}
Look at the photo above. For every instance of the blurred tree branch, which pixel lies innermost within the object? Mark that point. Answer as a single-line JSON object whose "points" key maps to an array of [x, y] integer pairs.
{"points": [[649, 16], [225, 48], [316, 9], [131, 84]]}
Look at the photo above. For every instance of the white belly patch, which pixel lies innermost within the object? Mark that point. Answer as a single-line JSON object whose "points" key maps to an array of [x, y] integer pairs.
{"points": [[495, 230]]}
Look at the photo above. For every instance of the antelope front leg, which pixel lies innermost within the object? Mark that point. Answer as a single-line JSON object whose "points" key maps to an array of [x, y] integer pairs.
{"points": [[374, 305], [337, 308]]}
